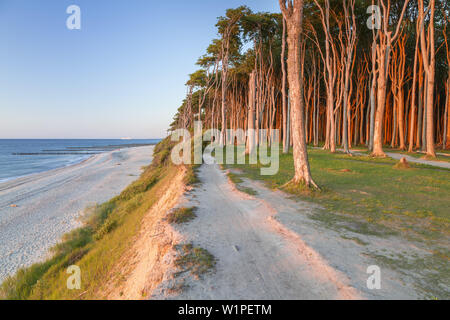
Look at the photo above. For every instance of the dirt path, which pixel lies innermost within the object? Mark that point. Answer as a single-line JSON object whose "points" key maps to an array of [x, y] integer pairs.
{"points": [[267, 248], [398, 156]]}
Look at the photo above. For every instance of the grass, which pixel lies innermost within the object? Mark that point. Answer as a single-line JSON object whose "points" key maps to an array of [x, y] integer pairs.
{"points": [[371, 196], [96, 247], [181, 215], [195, 260]]}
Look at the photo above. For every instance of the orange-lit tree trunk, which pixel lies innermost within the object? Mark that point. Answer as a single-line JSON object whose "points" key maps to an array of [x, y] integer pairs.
{"points": [[329, 76], [446, 134], [428, 55], [413, 97], [293, 13], [383, 53], [283, 91]]}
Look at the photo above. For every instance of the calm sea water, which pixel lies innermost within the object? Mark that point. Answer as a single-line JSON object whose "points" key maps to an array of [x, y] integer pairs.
{"points": [[23, 157]]}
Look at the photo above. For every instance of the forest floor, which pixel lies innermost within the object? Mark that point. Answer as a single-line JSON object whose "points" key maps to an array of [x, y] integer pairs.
{"points": [[269, 244], [444, 163]]}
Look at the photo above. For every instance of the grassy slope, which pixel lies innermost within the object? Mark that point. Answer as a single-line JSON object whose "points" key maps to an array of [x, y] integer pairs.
{"points": [[97, 246], [376, 198]]}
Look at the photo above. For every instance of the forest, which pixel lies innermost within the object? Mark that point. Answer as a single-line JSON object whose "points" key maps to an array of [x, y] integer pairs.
{"points": [[335, 74]]}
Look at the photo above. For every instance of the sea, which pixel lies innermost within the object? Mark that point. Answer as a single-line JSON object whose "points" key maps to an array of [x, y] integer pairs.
{"points": [[22, 157]]}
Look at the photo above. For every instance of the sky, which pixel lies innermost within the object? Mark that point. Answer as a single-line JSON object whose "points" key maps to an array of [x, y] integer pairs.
{"points": [[122, 74]]}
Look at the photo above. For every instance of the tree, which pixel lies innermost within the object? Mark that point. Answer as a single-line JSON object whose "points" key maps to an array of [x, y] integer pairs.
{"points": [[229, 30], [350, 32], [446, 135], [383, 50], [293, 14], [429, 60], [283, 91]]}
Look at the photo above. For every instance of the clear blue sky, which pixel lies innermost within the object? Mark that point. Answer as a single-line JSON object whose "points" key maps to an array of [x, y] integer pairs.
{"points": [[121, 75]]}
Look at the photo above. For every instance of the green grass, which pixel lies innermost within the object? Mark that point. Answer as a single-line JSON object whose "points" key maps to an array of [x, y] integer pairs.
{"points": [[98, 245], [191, 178], [181, 215], [195, 260], [370, 196], [433, 285]]}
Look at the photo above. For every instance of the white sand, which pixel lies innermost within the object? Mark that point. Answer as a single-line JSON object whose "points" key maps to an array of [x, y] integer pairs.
{"points": [[50, 203]]}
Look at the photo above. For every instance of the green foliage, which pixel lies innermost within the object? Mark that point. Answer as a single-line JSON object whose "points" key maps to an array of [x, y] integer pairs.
{"points": [[161, 153], [106, 228]]}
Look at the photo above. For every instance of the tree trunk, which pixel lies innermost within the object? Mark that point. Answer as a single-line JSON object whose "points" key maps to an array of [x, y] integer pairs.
{"points": [[294, 18], [428, 55], [251, 114]]}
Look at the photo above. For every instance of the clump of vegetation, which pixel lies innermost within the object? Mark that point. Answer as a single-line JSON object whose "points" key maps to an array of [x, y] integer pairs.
{"points": [[191, 178], [402, 164], [181, 215], [195, 260], [161, 153]]}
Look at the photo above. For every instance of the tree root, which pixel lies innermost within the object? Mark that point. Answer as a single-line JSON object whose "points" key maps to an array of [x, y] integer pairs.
{"points": [[311, 185]]}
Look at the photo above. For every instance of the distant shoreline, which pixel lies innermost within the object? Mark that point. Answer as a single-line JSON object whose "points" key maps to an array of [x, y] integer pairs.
{"points": [[79, 153]]}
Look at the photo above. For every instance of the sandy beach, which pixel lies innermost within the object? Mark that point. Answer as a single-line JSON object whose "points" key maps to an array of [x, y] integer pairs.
{"points": [[35, 211]]}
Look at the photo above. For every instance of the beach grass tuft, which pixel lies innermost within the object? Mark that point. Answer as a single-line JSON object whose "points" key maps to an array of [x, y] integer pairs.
{"points": [[196, 260], [181, 215]]}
